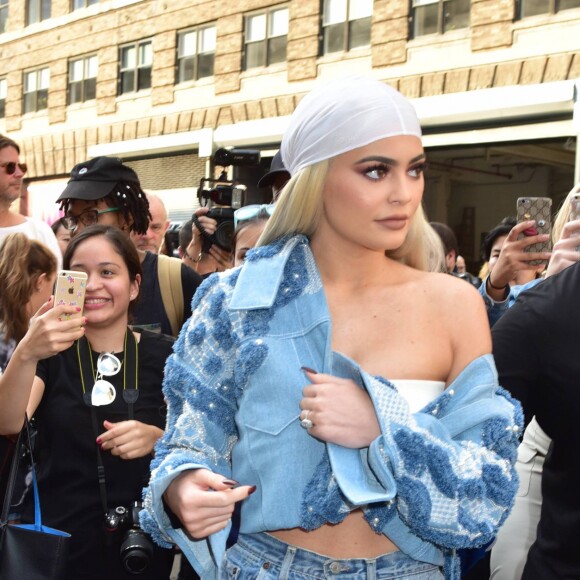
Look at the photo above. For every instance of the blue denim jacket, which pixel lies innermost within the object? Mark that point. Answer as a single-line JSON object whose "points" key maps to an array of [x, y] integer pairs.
{"points": [[433, 481], [496, 308]]}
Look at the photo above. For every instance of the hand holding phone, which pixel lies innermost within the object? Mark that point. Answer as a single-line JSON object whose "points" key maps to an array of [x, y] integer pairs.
{"points": [[70, 289], [538, 209]]}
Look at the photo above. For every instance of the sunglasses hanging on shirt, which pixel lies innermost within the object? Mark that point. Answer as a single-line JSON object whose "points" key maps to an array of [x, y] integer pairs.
{"points": [[103, 392]]}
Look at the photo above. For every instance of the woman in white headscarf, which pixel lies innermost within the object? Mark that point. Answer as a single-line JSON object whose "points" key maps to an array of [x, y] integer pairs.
{"points": [[334, 376]]}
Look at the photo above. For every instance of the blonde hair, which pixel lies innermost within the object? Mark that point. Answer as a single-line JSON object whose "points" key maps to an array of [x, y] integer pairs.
{"points": [[299, 208], [563, 214], [22, 262]]}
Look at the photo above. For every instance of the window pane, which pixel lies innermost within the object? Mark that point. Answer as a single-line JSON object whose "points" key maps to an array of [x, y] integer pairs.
{"points": [[75, 93], [90, 86], [278, 23], [91, 2], [128, 57], [76, 70], [334, 38], [186, 69], [334, 11], [3, 18], [207, 39], [565, 4], [144, 78], [3, 88], [45, 12], [78, 4], [2, 108], [205, 65], [29, 102], [33, 12], [41, 99], [255, 54], [533, 7], [256, 26], [145, 54], [455, 14], [187, 43], [44, 78], [277, 49], [30, 82], [425, 20], [360, 9], [92, 66], [127, 81], [359, 33]]}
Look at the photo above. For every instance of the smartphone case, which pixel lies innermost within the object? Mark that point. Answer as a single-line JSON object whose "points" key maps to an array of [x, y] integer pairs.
{"points": [[574, 208], [540, 210], [70, 289]]}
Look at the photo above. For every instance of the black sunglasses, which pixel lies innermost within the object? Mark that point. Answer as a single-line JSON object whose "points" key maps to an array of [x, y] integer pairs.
{"points": [[11, 166]]}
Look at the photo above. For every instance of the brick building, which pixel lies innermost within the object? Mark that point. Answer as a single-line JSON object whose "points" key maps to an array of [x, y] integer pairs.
{"points": [[163, 84]]}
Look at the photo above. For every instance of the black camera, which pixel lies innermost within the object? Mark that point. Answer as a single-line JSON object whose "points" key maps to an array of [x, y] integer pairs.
{"points": [[228, 194], [136, 548]]}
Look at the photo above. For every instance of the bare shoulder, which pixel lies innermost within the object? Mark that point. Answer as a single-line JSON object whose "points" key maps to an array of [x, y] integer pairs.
{"points": [[460, 311]]}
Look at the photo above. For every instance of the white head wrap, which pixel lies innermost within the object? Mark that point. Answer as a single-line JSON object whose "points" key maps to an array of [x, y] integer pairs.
{"points": [[343, 115]]}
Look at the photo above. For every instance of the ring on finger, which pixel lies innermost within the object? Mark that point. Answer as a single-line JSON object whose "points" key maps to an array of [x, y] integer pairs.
{"points": [[306, 423]]}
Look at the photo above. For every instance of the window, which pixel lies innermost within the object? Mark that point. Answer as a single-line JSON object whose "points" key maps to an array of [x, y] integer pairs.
{"points": [[136, 60], [195, 53], [82, 79], [37, 10], [439, 16], [36, 90], [3, 90], [346, 24], [535, 7], [78, 4], [3, 15], [266, 38]]}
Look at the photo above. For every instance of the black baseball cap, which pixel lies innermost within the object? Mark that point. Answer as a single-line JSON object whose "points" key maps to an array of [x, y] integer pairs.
{"points": [[276, 168], [97, 178]]}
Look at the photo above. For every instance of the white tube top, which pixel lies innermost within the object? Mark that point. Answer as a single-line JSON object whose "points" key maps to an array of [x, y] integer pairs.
{"points": [[418, 393]]}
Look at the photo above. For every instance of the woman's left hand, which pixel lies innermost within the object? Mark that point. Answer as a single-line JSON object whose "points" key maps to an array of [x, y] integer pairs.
{"points": [[129, 439], [341, 412]]}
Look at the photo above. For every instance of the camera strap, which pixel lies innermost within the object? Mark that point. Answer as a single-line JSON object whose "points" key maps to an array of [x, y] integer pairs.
{"points": [[130, 396], [207, 239]]}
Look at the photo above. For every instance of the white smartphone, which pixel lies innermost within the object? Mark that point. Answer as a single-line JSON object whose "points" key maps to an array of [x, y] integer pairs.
{"points": [[70, 288]]}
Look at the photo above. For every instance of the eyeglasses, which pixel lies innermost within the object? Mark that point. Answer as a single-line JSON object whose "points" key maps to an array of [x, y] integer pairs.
{"points": [[11, 166], [87, 218], [103, 392], [249, 212]]}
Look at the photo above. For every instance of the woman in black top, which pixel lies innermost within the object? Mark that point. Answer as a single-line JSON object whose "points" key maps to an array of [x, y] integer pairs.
{"points": [[74, 436]]}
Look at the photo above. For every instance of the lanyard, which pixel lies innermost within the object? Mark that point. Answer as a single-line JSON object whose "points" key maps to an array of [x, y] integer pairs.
{"points": [[130, 396]]}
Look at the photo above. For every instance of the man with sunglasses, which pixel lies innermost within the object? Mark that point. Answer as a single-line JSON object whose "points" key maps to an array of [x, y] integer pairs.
{"points": [[11, 222]]}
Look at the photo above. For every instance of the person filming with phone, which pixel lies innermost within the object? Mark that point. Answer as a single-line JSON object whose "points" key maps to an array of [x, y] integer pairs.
{"points": [[94, 389]]}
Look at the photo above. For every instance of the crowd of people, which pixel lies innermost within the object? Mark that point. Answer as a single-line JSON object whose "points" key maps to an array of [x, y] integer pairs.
{"points": [[300, 405]]}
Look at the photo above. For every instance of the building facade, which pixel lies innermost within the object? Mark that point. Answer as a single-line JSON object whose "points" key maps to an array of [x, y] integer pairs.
{"points": [[163, 84]]}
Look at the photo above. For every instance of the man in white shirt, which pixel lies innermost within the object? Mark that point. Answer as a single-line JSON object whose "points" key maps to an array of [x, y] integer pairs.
{"points": [[11, 174]]}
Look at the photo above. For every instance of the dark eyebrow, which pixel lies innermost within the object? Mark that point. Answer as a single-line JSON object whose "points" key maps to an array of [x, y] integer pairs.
{"points": [[388, 160]]}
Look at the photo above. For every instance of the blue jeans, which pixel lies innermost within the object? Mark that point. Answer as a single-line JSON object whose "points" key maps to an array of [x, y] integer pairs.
{"points": [[263, 557]]}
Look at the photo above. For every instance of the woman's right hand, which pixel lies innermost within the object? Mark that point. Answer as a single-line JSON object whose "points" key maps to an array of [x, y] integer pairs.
{"points": [[50, 331], [204, 501]]}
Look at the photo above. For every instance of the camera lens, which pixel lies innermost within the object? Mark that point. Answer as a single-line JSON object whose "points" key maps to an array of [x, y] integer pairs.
{"points": [[136, 552], [224, 234]]}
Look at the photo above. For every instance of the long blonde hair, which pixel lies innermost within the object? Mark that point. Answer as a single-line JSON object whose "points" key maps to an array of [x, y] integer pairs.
{"points": [[563, 214], [22, 262], [299, 208]]}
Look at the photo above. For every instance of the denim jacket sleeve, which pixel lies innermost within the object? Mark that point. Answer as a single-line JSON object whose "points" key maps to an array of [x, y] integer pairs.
{"points": [[450, 467], [200, 432]]}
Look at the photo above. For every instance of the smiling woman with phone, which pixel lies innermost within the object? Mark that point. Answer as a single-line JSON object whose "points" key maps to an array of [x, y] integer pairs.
{"points": [[94, 389], [324, 386]]}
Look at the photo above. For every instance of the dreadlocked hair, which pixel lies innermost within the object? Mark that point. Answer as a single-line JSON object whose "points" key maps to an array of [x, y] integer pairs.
{"points": [[131, 200]]}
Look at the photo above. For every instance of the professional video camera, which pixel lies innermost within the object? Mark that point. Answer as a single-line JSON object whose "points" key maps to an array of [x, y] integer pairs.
{"points": [[228, 194]]}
